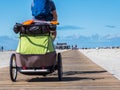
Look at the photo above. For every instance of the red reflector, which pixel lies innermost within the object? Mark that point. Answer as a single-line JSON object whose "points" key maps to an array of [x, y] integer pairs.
{"points": [[24, 67]]}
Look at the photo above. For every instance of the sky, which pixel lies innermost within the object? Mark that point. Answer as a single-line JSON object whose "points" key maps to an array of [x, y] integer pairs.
{"points": [[78, 19]]}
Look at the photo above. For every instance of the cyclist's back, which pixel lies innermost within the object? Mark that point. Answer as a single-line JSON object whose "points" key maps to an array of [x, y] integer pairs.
{"points": [[44, 10]]}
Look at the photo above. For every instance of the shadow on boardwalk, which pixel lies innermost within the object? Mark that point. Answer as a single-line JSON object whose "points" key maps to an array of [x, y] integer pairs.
{"points": [[67, 77]]}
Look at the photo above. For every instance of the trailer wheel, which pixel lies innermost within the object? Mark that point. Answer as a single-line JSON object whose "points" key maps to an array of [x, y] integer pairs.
{"points": [[60, 71], [13, 68]]}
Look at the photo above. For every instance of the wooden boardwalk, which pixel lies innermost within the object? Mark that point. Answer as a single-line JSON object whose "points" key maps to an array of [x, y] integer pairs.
{"points": [[80, 73]]}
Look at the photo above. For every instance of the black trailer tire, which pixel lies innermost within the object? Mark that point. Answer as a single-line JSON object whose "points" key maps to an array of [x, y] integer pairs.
{"points": [[60, 69], [13, 68]]}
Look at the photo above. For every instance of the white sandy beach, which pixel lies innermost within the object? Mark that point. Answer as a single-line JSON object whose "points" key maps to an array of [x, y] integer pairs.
{"points": [[5, 58], [109, 59]]}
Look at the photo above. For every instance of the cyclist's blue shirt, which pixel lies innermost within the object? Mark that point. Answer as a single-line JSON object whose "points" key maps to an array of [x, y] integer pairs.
{"points": [[42, 9]]}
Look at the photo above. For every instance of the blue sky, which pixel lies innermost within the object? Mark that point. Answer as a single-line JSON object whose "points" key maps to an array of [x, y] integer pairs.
{"points": [[78, 18], [92, 16]]}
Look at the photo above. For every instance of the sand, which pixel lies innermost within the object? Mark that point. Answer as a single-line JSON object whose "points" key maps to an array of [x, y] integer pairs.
{"points": [[5, 58], [109, 59]]}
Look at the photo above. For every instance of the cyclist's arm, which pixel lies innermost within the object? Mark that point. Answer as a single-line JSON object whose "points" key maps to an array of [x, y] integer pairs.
{"points": [[54, 15]]}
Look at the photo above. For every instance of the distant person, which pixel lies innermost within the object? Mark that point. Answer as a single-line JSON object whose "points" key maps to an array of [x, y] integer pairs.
{"points": [[75, 46], [44, 10], [2, 48]]}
